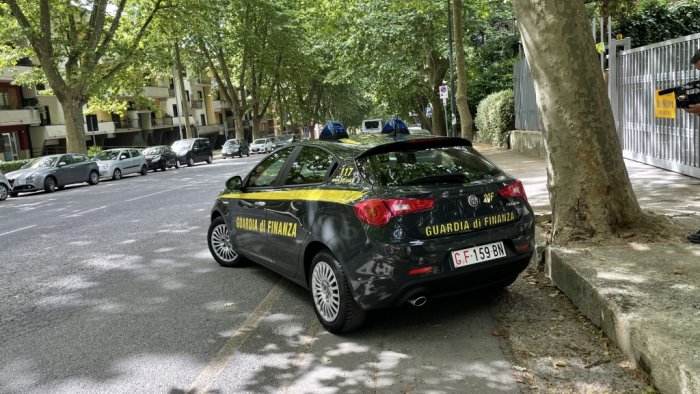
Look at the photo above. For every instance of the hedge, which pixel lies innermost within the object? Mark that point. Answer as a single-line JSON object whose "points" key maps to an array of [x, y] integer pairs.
{"points": [[495, 117], [8, 166]]}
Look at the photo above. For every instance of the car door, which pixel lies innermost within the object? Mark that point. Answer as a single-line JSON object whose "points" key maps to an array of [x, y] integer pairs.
{"points": [[66, 170], [125, 162], [82, 168], [248, 214], [288, 218], [137, 160]]}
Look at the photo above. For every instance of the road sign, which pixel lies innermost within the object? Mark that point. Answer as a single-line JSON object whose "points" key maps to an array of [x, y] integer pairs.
{"points": [[428, 111], [444, 92]]}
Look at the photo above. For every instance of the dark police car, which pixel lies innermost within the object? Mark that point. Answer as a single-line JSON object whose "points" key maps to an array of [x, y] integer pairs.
{"points": [[376, 221]]}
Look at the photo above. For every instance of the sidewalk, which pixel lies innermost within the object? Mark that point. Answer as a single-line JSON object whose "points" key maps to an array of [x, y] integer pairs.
{"points": [[646, 297]]}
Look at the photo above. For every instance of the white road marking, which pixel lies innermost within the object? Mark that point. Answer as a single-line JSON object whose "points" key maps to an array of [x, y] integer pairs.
{"points": [[19, 229], [153, 194], [229, 350], [84, 212]]}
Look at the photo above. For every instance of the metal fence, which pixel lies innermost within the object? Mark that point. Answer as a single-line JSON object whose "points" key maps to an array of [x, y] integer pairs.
{"points": [[635, 76]]}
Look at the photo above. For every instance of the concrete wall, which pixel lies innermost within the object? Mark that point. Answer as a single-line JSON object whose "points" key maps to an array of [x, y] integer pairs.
{"points": [[528, 142]]}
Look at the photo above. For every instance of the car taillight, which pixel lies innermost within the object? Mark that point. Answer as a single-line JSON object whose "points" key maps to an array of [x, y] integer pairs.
{"points": [[377, 212], [514, 189]]}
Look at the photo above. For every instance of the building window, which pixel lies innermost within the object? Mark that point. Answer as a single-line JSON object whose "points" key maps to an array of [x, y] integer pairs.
{"points": [[4, 99], [175, 110], [200, 95]]}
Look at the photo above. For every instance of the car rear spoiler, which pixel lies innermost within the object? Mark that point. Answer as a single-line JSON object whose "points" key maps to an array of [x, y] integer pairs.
{"points": [[410, 144]]}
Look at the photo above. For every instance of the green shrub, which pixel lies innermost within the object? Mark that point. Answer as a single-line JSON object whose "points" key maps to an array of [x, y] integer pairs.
{"points": [[94, 150], [495, 117], [8, 166]]}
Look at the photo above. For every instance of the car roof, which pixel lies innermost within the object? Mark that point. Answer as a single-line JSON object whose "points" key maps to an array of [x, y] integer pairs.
{"points": [[367, 144]]}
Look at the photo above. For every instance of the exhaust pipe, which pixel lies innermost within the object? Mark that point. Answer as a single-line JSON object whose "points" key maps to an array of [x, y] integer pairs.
{"points": [[418, 301]]}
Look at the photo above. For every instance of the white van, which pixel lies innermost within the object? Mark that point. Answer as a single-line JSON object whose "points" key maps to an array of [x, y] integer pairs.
{"points": [[372, 126]]}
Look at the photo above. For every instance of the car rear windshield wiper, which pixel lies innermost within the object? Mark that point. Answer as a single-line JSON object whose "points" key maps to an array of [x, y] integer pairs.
{"points": [[443, 178]]}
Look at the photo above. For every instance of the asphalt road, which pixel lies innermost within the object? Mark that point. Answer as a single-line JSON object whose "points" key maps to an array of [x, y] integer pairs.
{"points": [[111, 288]]}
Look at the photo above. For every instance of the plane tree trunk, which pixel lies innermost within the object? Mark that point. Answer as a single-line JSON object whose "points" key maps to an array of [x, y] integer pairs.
{"points": [[589, 188]]}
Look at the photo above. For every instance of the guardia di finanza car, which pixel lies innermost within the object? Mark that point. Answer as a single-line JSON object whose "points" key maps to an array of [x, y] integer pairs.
{"points": [[375, 222]]}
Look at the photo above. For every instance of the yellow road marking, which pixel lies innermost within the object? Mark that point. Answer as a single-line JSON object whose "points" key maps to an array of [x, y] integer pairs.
{"points": [[228, 351]]}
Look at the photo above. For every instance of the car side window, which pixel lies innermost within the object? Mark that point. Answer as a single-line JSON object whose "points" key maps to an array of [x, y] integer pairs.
{"points": [[134, 153], [310, 166], [79, 158], [266, 172], [124, 154], [66, 159]]}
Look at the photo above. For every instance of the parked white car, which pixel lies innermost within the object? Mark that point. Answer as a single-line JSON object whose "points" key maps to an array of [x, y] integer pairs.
{"points": [[115, 163], [5, 187], [262, 145]]}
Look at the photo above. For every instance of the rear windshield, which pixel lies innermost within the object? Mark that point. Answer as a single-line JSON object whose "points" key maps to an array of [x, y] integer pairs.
{"points": [[431, 166], [155, 150]]}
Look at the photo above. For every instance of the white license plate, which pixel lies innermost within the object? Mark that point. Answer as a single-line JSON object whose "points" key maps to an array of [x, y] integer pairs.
{"points": [[464, 257]]}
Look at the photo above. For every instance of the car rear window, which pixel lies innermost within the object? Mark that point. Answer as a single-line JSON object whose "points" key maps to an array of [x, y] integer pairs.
{"points": [[460, 164]]}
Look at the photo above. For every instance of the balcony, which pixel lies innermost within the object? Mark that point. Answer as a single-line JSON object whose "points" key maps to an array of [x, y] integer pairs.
{"points": [[156, 92], [127, 125], [212, 128], [158, 123], [102, 128], [11, 117], [221, 105], [8, 74], [196, 104]]}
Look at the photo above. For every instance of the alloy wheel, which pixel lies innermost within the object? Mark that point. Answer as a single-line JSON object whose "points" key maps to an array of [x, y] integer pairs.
{"points": [[325, 291], [221, 244]]}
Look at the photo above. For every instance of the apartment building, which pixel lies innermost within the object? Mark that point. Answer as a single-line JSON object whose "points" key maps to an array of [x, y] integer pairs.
{"points": [[18, 112]]}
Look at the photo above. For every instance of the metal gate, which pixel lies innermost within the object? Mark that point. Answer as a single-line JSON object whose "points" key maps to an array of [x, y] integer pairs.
{"points": [[635, 75], [673, 144]]}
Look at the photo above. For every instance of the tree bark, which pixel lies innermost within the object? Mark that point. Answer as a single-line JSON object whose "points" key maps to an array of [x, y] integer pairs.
{"points": [[589, 188], [184, 104], [465, 116], [75, 124]]}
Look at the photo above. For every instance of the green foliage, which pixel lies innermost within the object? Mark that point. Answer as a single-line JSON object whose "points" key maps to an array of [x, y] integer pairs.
{"points": [[658, 20], [94, 150], [14, 165], [496, 117]]}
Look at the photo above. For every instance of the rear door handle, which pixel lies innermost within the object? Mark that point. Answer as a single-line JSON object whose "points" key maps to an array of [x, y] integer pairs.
{"points": [[260, 203]]}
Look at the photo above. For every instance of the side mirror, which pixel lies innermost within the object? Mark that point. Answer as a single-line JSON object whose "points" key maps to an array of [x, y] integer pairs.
{"points": [[234, 183], [122, 157], [63, 163]]}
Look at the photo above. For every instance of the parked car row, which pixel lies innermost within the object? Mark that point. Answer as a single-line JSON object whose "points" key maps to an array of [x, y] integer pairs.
{"points": [[53, 172]]}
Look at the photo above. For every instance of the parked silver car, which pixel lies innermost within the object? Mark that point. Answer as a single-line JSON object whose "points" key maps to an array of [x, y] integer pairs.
{"points": [[115, 163], [5, 187], [262, 145], [53, 172]]}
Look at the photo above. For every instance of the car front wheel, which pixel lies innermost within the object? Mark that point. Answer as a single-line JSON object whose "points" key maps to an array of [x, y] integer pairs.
{"points": [[117, 174], [3, 192], [94, 178], [177, 164], [334, 304], [144, 170], [210, 159], [219, 240], [190, 161], [50, 185]]}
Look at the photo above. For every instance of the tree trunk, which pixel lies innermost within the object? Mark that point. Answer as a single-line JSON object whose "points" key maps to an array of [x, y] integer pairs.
{"points": [[184, 104], [465, 116], [439, 126], [75, 124], [588, 184]]}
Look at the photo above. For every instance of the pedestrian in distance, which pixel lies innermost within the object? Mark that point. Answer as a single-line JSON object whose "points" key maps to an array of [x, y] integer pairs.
{"points": [[695, 109]]}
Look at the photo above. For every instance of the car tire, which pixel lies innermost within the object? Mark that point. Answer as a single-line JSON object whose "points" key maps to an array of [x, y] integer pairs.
{"points": [[334, 304], [94, 178], [163, 166], [240, 154], [144, 170], [219, 241], [190, 161], [177, 164], [4, 192], [210, 159], [117, 174], [50, 184]]}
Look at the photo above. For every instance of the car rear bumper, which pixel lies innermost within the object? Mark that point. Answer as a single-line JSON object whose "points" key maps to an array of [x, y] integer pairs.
{"points": [[384, 275]]}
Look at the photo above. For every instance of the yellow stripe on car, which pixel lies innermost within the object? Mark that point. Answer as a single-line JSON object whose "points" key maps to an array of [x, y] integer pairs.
{"points": [[331, 195]]}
